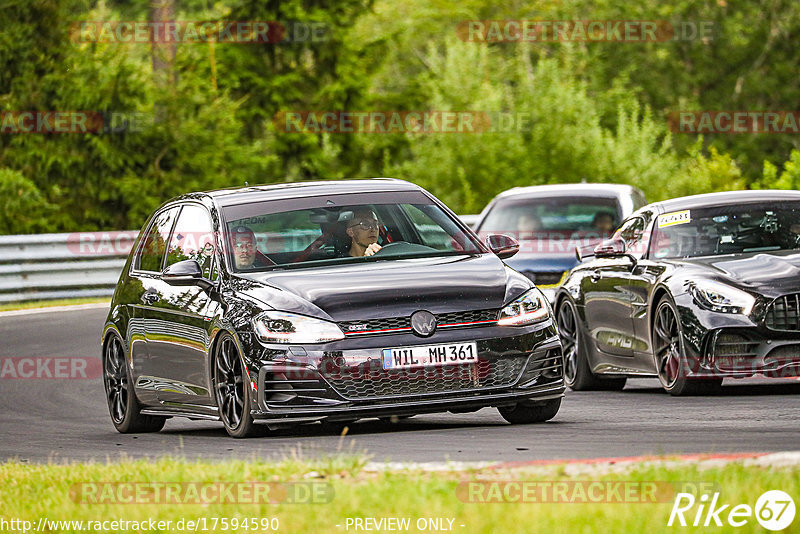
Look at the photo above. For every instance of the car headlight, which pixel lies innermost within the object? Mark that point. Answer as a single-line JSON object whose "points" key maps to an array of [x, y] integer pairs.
{"points": [[718, 297], [282, 327], [532, 307]]}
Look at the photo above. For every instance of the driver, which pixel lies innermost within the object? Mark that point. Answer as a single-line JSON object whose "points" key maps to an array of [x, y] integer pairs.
{"points": [[603, 222], [245, 253], [794, 229], [363, 232]]}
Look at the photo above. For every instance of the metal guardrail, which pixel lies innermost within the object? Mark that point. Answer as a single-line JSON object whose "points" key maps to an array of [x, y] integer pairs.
{"points": [[54, 266]]}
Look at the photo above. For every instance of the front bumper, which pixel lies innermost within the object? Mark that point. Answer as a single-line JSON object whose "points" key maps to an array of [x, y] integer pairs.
{"points": [[739, 353], [345, 380], [721, 345]]}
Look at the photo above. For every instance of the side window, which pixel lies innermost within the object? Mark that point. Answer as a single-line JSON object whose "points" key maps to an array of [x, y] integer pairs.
{"points": [[151, 253], [193, 238], [431, 232], [632, 232]]}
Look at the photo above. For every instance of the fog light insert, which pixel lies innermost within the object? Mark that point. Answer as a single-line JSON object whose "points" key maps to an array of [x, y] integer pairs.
{"points": [[734, 352]]}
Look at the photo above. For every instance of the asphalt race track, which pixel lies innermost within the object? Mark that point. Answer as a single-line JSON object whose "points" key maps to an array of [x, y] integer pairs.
{"points": [[67, 419]]}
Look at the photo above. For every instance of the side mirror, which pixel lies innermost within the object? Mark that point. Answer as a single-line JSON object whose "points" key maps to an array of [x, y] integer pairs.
{"points": [[610, 248], [584, 253], [504, 246], [186, 273]]}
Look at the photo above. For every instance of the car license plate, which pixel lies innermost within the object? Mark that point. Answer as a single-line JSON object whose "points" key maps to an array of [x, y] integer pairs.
{"points": [[430, 355]]}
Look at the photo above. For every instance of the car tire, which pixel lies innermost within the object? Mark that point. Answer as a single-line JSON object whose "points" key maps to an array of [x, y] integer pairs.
{"points": [[577, 374], [231, 389], [524, 413], [123, 406], [669, 355]]}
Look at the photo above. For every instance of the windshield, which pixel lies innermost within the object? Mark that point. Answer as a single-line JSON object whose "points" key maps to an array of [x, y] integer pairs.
{"points": [[535, 217], [318, 233], [727, 230]]}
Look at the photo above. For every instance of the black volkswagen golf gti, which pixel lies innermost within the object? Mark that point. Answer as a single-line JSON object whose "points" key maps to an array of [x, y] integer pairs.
{"points": [[329, 301], [691, 290]]}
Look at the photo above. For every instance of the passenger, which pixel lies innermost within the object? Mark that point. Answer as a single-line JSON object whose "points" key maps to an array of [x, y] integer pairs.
{"points": [[363, 232], [603, 222], [529, 222], [527, 225]]}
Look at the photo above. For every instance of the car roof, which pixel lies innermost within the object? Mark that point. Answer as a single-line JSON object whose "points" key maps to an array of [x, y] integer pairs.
{"points": [[724, 198], [592, 189], [256, 193]]}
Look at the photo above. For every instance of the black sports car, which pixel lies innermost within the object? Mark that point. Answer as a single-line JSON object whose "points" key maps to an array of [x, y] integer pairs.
{"points": [[326, 301], [691, 290]]}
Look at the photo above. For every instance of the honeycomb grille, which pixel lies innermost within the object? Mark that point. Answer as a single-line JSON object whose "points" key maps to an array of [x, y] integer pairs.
{"points": [[784, 313], [466, 317], [375, 325], [369, 380], [394, 325]]}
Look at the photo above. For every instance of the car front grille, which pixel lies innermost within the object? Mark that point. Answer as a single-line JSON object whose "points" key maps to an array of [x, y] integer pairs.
{"points": [[370, 381], [396, 325], [784, 313]]}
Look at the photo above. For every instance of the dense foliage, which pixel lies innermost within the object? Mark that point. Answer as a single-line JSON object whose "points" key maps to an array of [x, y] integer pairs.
{"points": [[594, 111]]}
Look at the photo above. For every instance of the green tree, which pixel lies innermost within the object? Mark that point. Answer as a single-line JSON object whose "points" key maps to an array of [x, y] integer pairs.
{"points": [[23, 208], [789, 178]]}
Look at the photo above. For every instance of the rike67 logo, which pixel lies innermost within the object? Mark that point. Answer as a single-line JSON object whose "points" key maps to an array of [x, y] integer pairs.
{"points": [[774, 510]]}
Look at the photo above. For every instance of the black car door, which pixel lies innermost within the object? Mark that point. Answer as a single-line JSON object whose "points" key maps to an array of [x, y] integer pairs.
{"points": [[145, 281], [642, 281], [178, 325], [608, 300]]}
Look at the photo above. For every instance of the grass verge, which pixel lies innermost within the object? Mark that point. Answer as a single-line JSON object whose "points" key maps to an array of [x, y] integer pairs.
{"points": [[32, 304], [342, 489]]}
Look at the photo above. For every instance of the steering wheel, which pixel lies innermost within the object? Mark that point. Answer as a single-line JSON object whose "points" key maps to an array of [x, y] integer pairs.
{"points": [[404, 247], [391, 246]]}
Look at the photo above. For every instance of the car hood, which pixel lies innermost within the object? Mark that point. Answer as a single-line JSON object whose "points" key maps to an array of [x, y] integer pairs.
{"points": [[770, 274], [393, 288]]}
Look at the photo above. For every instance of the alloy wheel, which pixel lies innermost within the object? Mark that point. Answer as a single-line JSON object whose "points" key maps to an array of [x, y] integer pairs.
{"points": [[568, 332], [115, 377], [229, 383], [667, 347]]}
